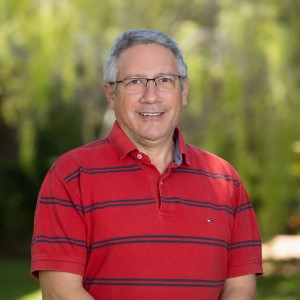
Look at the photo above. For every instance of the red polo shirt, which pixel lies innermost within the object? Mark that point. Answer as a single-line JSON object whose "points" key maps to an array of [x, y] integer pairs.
{"points": [[105, 212]]}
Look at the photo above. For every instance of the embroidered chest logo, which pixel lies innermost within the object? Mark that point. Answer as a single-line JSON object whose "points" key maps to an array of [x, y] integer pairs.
{"points": [[210, 221]]}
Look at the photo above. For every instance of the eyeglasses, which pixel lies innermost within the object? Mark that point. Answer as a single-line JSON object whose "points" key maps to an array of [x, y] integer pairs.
{"points": [[164, 83]]}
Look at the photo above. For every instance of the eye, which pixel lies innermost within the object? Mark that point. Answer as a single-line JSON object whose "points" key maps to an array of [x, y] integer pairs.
{"points": [[165, 79], [134, 81]]}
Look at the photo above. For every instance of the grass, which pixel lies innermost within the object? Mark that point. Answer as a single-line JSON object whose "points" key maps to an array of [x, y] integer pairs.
{"points": [[278, 288], [17, 284], [15, 281]]}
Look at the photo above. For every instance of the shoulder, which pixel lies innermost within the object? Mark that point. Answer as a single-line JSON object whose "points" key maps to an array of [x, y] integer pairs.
{"points": [[88, 155], [218, 171], [206, 160]]}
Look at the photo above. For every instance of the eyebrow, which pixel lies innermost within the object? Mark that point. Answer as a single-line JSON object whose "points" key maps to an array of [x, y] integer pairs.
{"points": [[144, 76]]}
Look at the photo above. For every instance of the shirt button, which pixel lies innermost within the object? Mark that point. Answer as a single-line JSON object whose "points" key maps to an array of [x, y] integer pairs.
{"points": [[139, 156]]}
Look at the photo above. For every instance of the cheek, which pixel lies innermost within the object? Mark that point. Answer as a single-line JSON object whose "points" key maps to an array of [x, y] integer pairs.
{"points": [[122, 107], [127, 104]]}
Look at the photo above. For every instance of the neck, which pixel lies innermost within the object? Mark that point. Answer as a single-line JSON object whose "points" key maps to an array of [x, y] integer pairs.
{"points": [[161, 156]]}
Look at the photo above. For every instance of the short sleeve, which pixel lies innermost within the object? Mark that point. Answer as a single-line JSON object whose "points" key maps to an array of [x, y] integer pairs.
{"points": [[59, 237], [245, 252]]}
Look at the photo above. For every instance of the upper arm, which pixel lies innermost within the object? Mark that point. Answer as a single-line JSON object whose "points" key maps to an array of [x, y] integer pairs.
{"points": [[62, 285], [240, 288]]}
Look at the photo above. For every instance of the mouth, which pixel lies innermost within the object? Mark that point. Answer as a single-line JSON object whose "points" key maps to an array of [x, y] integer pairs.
{"points": [[148, 114]]}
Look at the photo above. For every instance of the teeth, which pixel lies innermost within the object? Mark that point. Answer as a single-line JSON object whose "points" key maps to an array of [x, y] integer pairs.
{"points": [[151, 114]]}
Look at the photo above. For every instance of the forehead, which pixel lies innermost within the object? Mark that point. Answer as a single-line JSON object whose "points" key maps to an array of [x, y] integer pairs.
{"points": [[147, 58]]}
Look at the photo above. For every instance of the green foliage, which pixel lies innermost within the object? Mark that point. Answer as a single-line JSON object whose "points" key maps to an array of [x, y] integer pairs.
{"points": [[243, 101]]}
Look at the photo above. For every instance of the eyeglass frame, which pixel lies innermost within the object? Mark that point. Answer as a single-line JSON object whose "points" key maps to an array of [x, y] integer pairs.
{"points": [[147, 79]]}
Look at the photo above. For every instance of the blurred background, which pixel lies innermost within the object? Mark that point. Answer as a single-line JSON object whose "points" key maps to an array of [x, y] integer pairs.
{"points": [[243, 58]]}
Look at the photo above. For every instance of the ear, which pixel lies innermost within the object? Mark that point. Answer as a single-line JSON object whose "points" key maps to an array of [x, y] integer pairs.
{"points": [[110, 95], [185, 91]]}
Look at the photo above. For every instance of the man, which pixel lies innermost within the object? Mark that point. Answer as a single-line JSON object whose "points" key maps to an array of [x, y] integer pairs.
{"points": [[141, 214]]}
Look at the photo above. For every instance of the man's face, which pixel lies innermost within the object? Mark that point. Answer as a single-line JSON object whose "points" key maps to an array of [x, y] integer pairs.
{"points": [[148, 117]]}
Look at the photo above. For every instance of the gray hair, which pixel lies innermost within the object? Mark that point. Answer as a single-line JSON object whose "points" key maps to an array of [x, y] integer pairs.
{"points": [[140, 36]]}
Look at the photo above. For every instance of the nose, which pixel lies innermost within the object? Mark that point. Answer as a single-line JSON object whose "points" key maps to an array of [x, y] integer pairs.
{"points": [[150, 93], [152, 80]]}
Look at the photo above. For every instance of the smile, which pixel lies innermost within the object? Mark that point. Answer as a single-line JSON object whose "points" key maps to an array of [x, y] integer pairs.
{"points": [[151, 114]]}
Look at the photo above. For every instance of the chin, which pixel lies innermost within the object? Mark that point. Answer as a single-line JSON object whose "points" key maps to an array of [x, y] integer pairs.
{"points": [[151, 137]]}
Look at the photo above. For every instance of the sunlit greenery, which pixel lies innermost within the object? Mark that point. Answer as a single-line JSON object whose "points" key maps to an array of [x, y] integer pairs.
{"points": [[23, 287]]}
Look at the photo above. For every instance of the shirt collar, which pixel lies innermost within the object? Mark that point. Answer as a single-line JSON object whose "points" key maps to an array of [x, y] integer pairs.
{"points": [[181, 153], [119, 140]]}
